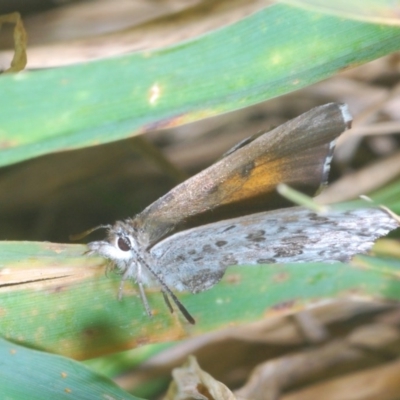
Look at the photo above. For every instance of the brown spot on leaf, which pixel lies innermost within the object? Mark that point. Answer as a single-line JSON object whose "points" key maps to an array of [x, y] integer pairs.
{"points": [[233, 279], [92, 332], [285, 305], [141, 341], [163, 124], [6, 144], [281, 277]]}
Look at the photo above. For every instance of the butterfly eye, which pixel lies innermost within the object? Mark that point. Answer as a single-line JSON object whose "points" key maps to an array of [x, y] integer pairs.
{"points": [[123, 244]]}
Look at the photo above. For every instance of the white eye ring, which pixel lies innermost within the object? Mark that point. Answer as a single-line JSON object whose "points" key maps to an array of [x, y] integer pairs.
{"points": [[124, 244]]}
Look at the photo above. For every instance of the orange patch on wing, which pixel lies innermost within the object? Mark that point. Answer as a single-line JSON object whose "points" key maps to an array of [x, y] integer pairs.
{"points": [[252, 181]]}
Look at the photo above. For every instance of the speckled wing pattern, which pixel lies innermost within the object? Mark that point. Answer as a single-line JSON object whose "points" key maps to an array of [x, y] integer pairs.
{"points": [[196, 259]]}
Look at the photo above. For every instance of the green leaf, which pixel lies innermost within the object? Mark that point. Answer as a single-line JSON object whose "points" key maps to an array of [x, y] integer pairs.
{"points": [[272, 52], [35, 375]]}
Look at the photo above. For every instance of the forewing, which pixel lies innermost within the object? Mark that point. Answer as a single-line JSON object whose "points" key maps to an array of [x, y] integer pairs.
{"points": [[297, 153], [196, 259]]}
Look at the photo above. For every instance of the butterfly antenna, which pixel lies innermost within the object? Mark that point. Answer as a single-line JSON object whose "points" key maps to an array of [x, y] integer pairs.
{"points": [[80, 236], [181, 307], [167, 302], [144, 299]]}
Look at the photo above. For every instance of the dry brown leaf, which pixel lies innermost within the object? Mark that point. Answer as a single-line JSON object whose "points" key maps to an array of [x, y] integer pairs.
{"points": [[240, 349], [381, 383], [362, 181], [365, 347], [378, 12], [19, 58], [191, 382], [162, 31]]}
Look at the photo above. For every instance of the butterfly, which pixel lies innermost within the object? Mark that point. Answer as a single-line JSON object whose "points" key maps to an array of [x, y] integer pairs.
{"points": [[230, 214]]}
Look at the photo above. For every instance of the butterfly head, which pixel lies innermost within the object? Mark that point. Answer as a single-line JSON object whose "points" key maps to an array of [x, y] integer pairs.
{"points": [[120, 246]]}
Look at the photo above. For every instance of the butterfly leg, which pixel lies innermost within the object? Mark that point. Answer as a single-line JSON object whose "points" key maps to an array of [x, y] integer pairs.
{"points": [[167, 302], [121, 285], [127, 273], [141, 291]]}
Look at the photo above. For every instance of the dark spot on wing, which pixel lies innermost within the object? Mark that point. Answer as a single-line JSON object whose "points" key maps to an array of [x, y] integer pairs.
{"points": [[192, 252], [296, 240], [213, 189], [229, 228], [227, 260], [288, 251], [204, 280], [197, 259], [363, 233], [207, 248], [181, 257], [256, 236], [266, 261], [317, 218], [220, 243], [246, 169], [343, 257]]}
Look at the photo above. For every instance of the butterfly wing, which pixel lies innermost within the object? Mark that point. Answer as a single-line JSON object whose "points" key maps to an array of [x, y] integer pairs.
{"points": [[196, 259], [297, 153]]}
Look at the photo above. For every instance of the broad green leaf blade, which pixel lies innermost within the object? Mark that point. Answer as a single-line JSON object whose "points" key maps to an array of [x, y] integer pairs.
{"points": [[78, 314], [272, 52], [35, 375]]}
